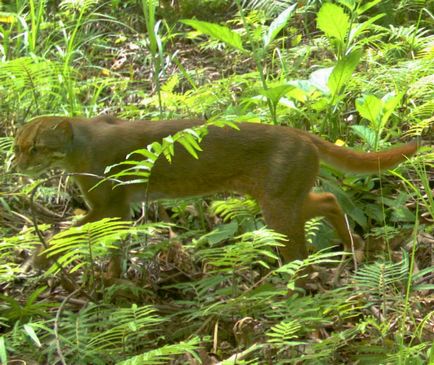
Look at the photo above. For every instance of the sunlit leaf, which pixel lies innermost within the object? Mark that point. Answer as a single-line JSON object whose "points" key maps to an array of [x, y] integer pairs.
{"points": [[32, 334], [278, 24], [275, 93], [333, 21], [390, 103], [3, 351], [370, 107], [366, 134], [358, 29], [216, 31], [320, 79], [343, 71]]}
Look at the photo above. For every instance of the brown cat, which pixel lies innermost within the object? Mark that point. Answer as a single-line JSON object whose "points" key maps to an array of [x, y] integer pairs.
{"points": [[274, 164]]}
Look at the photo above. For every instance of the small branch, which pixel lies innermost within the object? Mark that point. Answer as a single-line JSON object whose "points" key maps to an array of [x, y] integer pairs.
{"points": [[56, 325]]}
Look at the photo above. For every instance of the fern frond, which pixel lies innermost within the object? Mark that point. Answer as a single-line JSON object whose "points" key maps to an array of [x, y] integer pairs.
{"points": [[25, 74], [425, 110], [235, 208], [91, 240], [99, 335], [382, 279], [321, 257], [269, 7], [284, 332], [163, 354], [311, 228], [82, 5], [129, 324], [252, 248]]}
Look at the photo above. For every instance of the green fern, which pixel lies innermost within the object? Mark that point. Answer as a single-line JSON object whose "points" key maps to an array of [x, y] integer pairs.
{"points": [[129, 326], [294, 268], [235, 208], [284, 332], [82, 245], [14, 310], [86, 242], [100, 334], [271, 8], [311, 228], [383, 281], [27, 78], [251, 248], [27, 241], [6, 144], [164, 354]]}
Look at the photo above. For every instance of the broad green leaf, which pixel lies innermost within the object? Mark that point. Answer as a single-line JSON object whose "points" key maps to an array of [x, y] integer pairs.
{"points": [[275, 93], [298, 94], [342, 72], [320, 78], [216, 31], [278, 24], [370, 107], [390, 102], [333, 21], [32, 334], [366, 134]]}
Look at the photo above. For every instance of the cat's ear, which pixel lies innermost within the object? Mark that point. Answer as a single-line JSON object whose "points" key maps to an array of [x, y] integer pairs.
{"points": [[65, 128], [59, 135]]}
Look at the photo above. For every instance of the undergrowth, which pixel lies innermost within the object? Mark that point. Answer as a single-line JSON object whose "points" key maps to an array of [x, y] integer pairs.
{"points": [[210, 287]]}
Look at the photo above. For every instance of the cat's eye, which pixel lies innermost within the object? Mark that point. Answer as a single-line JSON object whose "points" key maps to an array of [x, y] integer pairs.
{"points": [[32, 149]]}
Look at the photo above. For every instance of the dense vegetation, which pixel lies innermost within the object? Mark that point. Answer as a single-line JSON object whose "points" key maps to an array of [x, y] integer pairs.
{"points": [[210, 288]]}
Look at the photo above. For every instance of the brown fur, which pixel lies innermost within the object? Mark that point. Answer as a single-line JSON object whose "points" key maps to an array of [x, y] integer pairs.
{"points": [[274, 164]]}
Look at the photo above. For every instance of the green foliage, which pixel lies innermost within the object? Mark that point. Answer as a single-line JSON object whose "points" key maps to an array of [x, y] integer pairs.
{"points": [[9, 246], [156, 45], [164, 353], [377, 112], [278, 24], [334, 22], [217, 31], [342, 73], [83, 244], [251, 248], [97, 334], [244, 211], [311, 229], [27, 79], [232, 39], [14, 311], [381, 279], [284, 332], [353, 71], [341, 28]]}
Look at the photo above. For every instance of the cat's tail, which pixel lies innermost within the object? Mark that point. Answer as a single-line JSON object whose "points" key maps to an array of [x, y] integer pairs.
{"points": [[369, 162]]}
